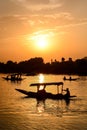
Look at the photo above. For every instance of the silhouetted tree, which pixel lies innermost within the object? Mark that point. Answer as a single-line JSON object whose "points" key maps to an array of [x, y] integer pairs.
{"points": [[70, 59], [37, 65], [63, 59]]}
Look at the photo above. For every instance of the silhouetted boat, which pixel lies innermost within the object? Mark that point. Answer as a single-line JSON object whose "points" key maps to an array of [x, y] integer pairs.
{"points": [[42, 94], [13, 77], [70, 79]]}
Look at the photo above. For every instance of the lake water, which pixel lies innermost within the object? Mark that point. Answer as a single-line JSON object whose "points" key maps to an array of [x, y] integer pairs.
{"points": [[20, 113]]}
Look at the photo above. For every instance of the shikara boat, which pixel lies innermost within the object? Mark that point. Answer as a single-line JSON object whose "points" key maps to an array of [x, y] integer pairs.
{"points": [[70, 79], [13, 77], [42, 94]]}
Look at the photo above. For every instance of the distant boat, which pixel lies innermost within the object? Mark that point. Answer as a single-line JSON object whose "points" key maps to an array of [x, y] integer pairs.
{"points": [[70, 79], [42, 94], [13, 77]]}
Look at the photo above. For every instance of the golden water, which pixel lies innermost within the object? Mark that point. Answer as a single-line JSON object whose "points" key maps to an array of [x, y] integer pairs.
{"points": [[20, 113]]}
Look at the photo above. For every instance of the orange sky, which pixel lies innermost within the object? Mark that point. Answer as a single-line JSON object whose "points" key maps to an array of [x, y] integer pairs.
{"points": [[50, 29]]}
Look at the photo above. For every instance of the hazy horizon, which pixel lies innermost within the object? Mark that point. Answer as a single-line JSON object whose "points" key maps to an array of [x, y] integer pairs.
{"points": [[51, 60]]}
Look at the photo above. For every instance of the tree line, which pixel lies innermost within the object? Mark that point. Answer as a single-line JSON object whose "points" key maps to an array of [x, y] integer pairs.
{"points": [[36, 65]]}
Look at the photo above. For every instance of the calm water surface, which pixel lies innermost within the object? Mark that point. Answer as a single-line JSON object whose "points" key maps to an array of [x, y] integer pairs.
{"points": [[20, 113]]}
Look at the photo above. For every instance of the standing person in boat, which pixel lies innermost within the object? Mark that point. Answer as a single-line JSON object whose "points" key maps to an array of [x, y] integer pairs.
{"points": [[67, 93]]}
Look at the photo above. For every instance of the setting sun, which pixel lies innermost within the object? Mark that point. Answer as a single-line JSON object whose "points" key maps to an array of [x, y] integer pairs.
{"points": [[41, 41]]}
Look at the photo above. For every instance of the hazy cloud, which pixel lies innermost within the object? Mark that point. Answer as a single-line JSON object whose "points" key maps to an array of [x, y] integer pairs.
{"points": [[18, 25], [21, 17], [26, 7], [32, 1]]}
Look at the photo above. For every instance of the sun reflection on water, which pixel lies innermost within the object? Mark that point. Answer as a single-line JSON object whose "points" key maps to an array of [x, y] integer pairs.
{"points": [[41, 104], [41, 80], [40, 107]]}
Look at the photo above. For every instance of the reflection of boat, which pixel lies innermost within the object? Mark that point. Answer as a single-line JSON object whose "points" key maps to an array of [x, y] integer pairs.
{"points": [[70, 79], [13, 77], [42, 94]]}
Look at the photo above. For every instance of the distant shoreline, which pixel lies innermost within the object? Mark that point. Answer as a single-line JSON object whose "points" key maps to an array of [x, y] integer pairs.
{"points": [[36, 65]]}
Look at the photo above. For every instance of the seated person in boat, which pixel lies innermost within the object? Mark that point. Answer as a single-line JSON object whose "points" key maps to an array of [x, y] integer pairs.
{"points": [[41, 93], [70, 78], [64, 78]]}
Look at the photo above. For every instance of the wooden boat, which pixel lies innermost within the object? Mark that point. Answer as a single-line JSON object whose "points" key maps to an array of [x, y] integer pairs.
{"points": [[42, 94], [13, 77], [70, 79]]}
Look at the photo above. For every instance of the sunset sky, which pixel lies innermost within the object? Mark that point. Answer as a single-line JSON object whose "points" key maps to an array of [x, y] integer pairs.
{"points": [[50, 29]]}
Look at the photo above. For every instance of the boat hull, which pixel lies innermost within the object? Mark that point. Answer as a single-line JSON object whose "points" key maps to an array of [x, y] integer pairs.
{"points": [[70, 79], [12, 79], [44, 95]]}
